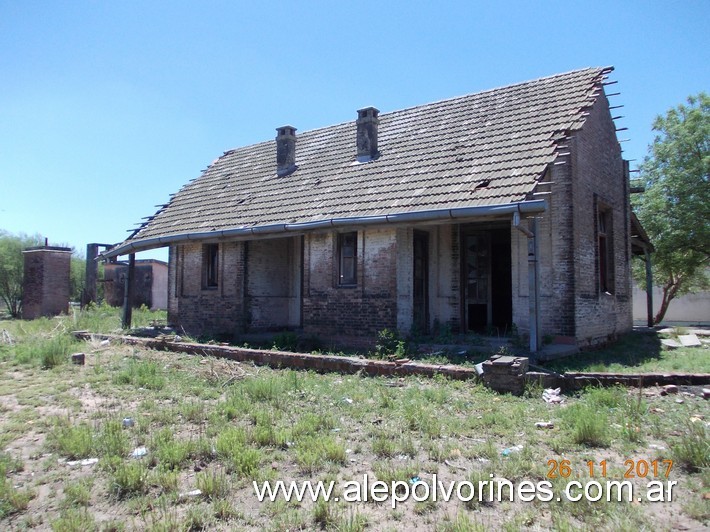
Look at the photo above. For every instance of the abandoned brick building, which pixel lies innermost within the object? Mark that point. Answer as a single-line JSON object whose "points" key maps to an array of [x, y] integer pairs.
{"points": [[506, 207]]}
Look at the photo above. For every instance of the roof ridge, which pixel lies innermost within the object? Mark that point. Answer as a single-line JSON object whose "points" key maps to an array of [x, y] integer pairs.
{"points": [[428, 104]]}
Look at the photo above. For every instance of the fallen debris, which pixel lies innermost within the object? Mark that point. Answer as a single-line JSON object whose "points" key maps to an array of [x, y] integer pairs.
{"points": [[510, 450], [85, 462], [545, 425], [139, 452], [551, 396], [669, 388]]}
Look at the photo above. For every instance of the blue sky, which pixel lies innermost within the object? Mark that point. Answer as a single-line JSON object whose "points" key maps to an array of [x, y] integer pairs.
{"points": [[108, 107]]}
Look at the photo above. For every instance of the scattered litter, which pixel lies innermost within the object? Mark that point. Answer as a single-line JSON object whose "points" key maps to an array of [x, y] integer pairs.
{"points": [[545, 425], [104, 343], [669, 388], [127, 422], [689, 340], [348, 400], [657, 447], [139, 452], [552, 395], [510, 450], [85, 462], [335, 430], [679, 401], [706, 393], [657, 410], [338, 381], [695, 419], [289, 444], [193, 493], [79, 359], [377, 421], [415, 480], [402, 457], [348, 451]]}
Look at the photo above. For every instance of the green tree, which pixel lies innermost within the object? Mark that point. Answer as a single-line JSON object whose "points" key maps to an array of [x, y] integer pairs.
{"points": [[675, 208], [12, 268]]}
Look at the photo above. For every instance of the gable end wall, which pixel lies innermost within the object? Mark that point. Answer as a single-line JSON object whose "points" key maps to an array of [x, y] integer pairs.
{"points": [[600, 179]]}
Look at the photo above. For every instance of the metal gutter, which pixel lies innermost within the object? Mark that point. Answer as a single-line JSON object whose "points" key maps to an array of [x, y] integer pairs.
{"points": [[523, 207]]}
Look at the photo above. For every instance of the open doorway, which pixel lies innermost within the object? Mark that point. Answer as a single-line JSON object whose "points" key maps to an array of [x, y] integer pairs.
{"points": [[486, 278]]}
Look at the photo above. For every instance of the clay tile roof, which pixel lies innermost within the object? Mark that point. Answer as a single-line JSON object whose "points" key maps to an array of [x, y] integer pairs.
{"points": [[488, 148]]}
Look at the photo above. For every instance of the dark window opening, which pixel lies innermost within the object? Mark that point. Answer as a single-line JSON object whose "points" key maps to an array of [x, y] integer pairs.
{"points": [[211, 265], [605, 251], [347, 264]]}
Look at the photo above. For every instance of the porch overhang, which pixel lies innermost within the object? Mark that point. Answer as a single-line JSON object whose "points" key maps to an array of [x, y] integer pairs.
{"points": [[243, 233]]}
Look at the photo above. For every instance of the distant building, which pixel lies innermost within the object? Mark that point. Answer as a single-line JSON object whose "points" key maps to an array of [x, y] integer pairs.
{"points": [[151, 283], [46, 284]]}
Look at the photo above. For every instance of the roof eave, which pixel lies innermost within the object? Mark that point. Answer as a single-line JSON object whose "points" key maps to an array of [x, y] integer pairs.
{"points": [[524, 207]]}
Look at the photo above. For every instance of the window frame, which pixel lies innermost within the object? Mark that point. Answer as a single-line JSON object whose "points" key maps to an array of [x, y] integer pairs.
{"points": [[210, 266], [605, 249], [347, 259]]}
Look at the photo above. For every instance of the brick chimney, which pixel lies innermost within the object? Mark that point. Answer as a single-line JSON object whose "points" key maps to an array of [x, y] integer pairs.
{"points": [[367, 123], [285, 150]]}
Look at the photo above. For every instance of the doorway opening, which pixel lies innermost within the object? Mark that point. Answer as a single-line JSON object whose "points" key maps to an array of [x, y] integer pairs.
{"points": [[487, 278]]}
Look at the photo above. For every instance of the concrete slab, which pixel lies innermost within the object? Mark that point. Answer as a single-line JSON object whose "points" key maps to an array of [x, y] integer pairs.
{"points": [[668, 343], [689, 340]]}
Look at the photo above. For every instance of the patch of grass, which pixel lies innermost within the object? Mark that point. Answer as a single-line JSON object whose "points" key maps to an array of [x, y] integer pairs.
{"points": [[129, 479], [71, 441], [460, 523], [233, 450], [78, 493], [74, 520], [692, 451], [636, 352], [325, 514], [589, 426], [384, 446], [142, 374], [166, 480], [312, 453], [12, 500], [170, 452], [213, 484], [47, 353], [112, 440], [263, 390], [198, 518]]}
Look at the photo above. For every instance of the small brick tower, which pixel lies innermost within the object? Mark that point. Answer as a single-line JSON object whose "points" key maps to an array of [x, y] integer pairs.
{"points": [[46, 283]]}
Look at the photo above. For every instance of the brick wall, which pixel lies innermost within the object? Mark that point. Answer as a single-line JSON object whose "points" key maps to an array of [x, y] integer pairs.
{"points": [[273, 299], [351, 311], [201, 310], [46, 281], [600, 180], [571, 302]]}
